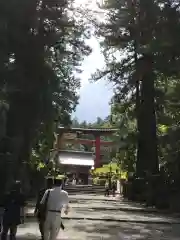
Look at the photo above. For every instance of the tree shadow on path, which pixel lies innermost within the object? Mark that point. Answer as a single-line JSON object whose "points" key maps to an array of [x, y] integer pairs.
{"points": [[99, 230], [33, 237], [129, 231]]}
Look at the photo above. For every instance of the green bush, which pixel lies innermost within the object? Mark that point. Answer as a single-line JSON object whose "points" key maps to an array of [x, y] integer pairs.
{"points": [[102, 182], [99, 181], [95, 180]]}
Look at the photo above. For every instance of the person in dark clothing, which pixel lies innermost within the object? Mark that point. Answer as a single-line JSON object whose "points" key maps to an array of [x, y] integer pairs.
{"points": [[13, 203], [114, 185], [37, 212]]}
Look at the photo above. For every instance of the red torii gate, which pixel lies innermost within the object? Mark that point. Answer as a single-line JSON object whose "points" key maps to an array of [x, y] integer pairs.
{"points": [[97, 133]]}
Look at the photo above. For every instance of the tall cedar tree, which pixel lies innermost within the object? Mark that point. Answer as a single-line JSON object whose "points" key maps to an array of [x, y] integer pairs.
{"points": [[42, 47], [138, 47]]}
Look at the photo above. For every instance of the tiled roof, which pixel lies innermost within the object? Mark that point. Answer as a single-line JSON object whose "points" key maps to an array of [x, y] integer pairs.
{"points": [[88, 129]]}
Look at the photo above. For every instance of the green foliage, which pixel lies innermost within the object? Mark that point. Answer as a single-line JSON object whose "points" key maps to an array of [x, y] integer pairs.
{"points": [[42, 47], [140, 44]]}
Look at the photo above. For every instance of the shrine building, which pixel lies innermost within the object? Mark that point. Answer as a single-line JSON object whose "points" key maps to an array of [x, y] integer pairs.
{"points": [[80, 149]]}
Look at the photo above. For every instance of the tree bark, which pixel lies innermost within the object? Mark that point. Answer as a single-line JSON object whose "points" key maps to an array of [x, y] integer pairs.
{"points": [[21, 127], [148, 158]]}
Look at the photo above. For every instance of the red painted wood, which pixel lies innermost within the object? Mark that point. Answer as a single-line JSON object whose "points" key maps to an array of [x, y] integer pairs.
{"points": [[98, 151]]}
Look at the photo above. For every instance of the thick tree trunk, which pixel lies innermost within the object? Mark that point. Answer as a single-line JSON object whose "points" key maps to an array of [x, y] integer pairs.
{"points": [[20, 127], [138, 158], [148, 155]]}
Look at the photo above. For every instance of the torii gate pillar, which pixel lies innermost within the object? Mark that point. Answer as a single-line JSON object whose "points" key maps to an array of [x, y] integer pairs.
{"points": [[97, 151]]}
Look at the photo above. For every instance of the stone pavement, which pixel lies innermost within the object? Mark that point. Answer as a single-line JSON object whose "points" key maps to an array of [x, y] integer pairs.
{"points": [[82, 213], [102, 202], [88, 220], [111, 209], [115, 202], [98, 230]]}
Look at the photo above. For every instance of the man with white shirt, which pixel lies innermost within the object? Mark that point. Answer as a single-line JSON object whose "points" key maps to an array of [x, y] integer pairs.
{"points": [[57, 199], [39, 213]]}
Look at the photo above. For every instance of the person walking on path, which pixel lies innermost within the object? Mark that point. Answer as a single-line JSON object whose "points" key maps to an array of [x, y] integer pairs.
{"points": [[74, 181], [114, 186], [39, 211], [13, 204], [57, 199], [106, 188]]}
